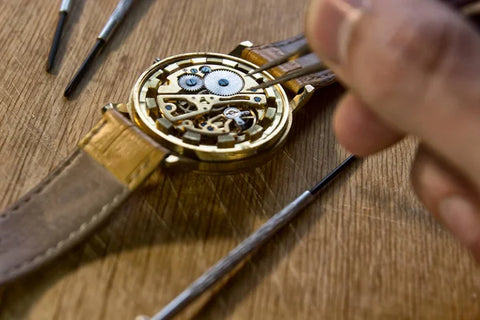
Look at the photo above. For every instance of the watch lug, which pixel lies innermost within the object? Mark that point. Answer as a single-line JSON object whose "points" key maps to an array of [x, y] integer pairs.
{"points": [[237, 52], [121, 107], [302, 97]]}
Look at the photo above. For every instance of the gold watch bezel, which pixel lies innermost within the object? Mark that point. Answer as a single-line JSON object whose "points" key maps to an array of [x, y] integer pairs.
{"points": [[210, 158]]}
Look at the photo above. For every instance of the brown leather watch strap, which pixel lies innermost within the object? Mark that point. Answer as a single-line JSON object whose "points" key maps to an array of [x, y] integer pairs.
{"points": [[111, 161], [265, 53]]}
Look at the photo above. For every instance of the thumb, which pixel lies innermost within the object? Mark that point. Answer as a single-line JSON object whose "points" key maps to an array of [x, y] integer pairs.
{"points": [[413, 63]]}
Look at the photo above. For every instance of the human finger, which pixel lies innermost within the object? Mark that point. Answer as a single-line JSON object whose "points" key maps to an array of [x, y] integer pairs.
{"points": [[413, 63], [449, 197], [359, 130]]}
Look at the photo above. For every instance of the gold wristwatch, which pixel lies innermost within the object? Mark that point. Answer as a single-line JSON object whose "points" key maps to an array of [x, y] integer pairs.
{"points": [[190, 111]]}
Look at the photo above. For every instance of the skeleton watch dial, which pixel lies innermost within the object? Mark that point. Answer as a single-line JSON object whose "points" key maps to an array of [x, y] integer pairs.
{"points": [[199, 105]]}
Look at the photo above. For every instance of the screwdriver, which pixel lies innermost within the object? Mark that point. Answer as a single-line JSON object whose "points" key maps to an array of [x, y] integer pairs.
{"points": [[64, 8], [107, 31], [245, 249]]}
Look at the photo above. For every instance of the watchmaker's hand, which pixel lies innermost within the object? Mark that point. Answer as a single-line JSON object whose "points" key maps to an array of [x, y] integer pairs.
{"points": [[413, 67]]}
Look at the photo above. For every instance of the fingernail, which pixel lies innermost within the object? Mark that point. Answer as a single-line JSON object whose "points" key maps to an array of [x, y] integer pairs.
{"points": [[461, 217], [330, 24]]}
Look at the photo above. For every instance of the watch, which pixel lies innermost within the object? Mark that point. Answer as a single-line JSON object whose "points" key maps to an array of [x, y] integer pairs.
{"points": [[190, 111]]}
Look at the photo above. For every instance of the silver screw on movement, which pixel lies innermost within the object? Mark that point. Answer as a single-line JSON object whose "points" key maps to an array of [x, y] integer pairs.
{"points": [[191, 82], [205, 69], [223, 82]]}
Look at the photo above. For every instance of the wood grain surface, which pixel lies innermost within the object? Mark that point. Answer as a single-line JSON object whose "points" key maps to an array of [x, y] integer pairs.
{"points": [[366, 249]]}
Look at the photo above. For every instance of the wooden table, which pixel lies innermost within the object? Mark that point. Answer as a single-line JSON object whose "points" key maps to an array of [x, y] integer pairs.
{"points": [[366, 249]]}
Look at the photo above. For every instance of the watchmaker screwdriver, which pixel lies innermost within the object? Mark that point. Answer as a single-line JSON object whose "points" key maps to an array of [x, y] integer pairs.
{"points": [[239, 254], [107, 31], [64, 8]]}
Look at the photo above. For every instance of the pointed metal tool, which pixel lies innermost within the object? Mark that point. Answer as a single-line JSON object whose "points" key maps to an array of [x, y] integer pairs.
{"points": [[64, 8], [107, 31], [317, 67], [468, 8], [303, 50], [234, 258]]}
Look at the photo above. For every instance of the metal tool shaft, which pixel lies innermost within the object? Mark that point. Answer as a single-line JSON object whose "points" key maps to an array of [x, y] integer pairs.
{"points": [[64, 8], [237, 255], [303, 50], [247, 247], [317, 67], [468, 8], [72, 85], [115, 18]]}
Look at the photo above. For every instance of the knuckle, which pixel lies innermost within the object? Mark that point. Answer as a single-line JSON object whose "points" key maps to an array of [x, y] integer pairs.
{"points": [[422, 50], [430, 47], [423, 46]]}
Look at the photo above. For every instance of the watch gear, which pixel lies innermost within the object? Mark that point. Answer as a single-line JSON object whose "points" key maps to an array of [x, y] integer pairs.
{"points": [[223, 82], [190, 82], [206, 116]]}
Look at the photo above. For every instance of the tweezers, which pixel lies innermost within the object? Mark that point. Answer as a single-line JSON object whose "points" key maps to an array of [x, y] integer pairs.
{"points": [[467, 7]]}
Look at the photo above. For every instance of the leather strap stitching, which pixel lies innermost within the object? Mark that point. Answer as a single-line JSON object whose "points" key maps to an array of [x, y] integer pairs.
{"points": [[41, 186], [93, 132], [56, 173], [53, 249], [139, 171]]}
